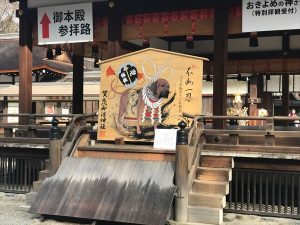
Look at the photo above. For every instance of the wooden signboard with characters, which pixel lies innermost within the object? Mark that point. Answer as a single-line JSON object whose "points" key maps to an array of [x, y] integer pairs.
{"points": [[145, 90]]}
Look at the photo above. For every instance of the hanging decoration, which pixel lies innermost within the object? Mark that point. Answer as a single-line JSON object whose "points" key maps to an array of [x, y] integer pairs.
{"points": [[268, 77], [146, 43], [173, 16], [235, 11], [167, 17], [189, 42], [239, 75]]}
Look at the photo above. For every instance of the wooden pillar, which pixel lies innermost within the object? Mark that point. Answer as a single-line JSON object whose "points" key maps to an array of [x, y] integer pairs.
{"points": [[54, 147], [285, 76], [25, 60], [77, 100], [267, 103], [181, 174], [253, 98], [114, 31], [220, 61], [260, 89], [285, 95], [181, 179]]}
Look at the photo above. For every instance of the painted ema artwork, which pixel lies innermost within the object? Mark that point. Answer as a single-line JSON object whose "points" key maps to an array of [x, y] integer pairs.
{"points": [[145, 90]]}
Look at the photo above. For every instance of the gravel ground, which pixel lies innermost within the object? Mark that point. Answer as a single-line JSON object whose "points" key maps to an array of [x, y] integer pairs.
{"points": [[11, 214]]}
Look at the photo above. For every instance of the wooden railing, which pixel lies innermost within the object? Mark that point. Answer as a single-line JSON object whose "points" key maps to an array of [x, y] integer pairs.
{"points": [[187, 159], [188, 153], [28, 132], [29, 123]]}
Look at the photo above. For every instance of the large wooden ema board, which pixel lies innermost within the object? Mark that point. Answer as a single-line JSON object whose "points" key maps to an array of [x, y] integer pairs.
{"points": [[145, 90]]}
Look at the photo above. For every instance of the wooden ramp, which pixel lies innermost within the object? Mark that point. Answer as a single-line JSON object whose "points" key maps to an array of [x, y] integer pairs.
{"points": [[120, 190]]}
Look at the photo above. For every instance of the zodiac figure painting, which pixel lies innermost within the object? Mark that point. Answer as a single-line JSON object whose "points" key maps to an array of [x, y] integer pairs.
{"points": [[142, 92]]}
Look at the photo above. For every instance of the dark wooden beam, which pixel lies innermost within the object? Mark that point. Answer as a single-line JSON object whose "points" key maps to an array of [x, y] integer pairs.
{"points": [[25, 61], [137, 6], [131, 46], [220, 56], [285, 76], [260, 88], [232, 36], [285, 44], [255, 55], [285, 95], [114, 31], [77, 100]]}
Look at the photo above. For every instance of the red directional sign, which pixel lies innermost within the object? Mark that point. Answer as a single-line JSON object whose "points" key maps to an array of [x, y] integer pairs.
{"points": [[65, 23], [45, 26]]}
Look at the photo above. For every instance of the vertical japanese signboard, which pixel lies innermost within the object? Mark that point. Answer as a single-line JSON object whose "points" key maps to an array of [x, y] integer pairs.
{"points": [[266, 15], [65, 24], [145, 90]]}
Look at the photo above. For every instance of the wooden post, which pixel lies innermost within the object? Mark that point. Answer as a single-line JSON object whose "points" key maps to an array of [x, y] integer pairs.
{"points": [[181, 174], [114, 31], [77, 100], [269, 140], [285, 78], [260, 90], [285, 96], [269, 125], [234, 139], [220, 62], [54, 147], [267, 102], [25, 61], [253, 99], [32, 133]]}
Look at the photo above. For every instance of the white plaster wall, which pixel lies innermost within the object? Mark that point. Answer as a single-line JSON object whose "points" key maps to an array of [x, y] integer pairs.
{"points": [[233, 87], [294, 42], [39, 3], [264, 44], [158, 43], [275, 84], [200, 47]]}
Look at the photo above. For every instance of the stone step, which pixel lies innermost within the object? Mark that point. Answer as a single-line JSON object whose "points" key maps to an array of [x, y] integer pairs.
{"points": [[216, 161], [210, 187], [30, 197], [24, 208], [214, 174], [172, 222], [205, 215], [43, 174], [37, 185], [207, 200]]}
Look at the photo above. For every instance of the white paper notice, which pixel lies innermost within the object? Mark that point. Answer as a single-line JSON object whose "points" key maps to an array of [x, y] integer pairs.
{"points": [[165, 139]]}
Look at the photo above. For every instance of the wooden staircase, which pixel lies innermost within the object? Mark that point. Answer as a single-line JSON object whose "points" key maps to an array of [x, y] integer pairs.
{"points": [[209, 189]]}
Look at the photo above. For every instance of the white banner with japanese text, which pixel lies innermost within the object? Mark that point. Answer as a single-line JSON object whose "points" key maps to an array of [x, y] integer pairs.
{"points": [[65, 24], [266, 15]]}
